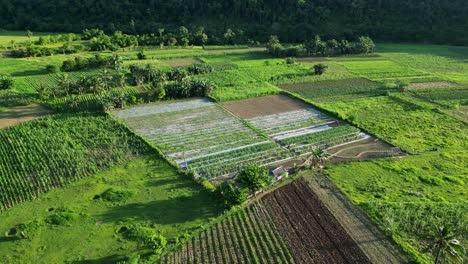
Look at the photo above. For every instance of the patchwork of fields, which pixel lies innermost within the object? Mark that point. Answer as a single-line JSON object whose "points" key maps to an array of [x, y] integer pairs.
{"points": [[203, 136], [289, 225], [250, 117]]}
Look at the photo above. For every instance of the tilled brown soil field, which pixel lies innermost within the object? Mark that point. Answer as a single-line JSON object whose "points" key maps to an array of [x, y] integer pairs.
{"points": [[266, 105], [311, 231], [296, 223], [22, 114]]}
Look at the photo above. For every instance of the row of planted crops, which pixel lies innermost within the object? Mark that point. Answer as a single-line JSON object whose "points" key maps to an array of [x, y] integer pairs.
{"points": [[202, 136], [50, 152], [249, 236]]}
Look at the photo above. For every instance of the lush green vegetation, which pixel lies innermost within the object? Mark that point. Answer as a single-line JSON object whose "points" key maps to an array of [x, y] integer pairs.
{"points": [[410, 197], [108, 211], [402, 121], [427, 118], [51, 152], [396, 20]]}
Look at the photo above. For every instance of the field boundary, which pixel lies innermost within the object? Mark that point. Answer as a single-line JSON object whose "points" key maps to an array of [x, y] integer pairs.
{"points": [[367, 234]]}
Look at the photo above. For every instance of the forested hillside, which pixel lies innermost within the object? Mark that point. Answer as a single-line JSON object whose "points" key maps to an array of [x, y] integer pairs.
{"points": [[442, 21]]}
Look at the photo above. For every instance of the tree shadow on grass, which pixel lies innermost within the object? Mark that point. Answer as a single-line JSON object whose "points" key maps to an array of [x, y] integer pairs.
{"points": [[29, 73], [8, 239], [177, 210], [107, 259]]}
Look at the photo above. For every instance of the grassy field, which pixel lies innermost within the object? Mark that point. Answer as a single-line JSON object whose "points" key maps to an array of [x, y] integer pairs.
{"points": [[409, 197], [162, 199], [19, 37], [403, 122]]}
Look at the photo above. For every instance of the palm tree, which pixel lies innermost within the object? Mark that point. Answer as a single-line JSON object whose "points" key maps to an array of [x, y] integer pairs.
{"points": [[29, 34], [319, 156], [444, 246]]}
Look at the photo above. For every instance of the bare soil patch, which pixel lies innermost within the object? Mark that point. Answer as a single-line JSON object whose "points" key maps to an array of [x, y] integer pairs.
{"points": [[180, 62], [267, 105], [364, 149], [426, 85], [363, 231], [236, 50], [310, 229], [22, 114]]}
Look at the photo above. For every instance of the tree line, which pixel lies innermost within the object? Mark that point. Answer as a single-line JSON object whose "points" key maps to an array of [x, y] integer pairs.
{"points": [[442, 21]]}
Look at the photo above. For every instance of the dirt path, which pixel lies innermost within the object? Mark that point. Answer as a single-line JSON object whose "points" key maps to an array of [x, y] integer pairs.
{"points": [[235, 50], [368, 237], [22, 114]]}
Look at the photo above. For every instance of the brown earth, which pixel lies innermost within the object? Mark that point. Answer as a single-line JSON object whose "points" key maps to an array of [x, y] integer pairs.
{"points": [[426, 85], [22, 114], [267, 105], [180, 62], [363, 231], [361, 150], [236, 50], [312, 232]]}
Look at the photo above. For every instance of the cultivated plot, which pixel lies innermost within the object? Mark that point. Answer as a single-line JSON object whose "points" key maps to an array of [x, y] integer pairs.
{"points": [[22, 114], [249, 236], [294, 124], [289, 225], [201, 135]]}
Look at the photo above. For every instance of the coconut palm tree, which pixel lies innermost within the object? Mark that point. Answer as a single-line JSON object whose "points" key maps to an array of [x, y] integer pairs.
{"points": [[319, 156], [445, 247]]}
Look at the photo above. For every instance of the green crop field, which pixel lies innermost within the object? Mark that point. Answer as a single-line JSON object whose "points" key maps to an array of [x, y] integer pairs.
{"points": [[53, 151]]}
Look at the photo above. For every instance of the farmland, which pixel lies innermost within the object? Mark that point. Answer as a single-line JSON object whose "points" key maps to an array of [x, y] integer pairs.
{"points": [[398, 153], [203, 136], [237, 239], [51, 152], [289, 225]]}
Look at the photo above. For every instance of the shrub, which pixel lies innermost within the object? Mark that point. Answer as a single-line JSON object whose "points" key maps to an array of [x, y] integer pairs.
{"points": [[141, 55], [290, 60], [116, 196], [207, 185], [320, 69], [253, 177], [62, 217], [232, 195], [200, 68], [6, 82], [52, 68], [146, 237], [176, 74]]}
